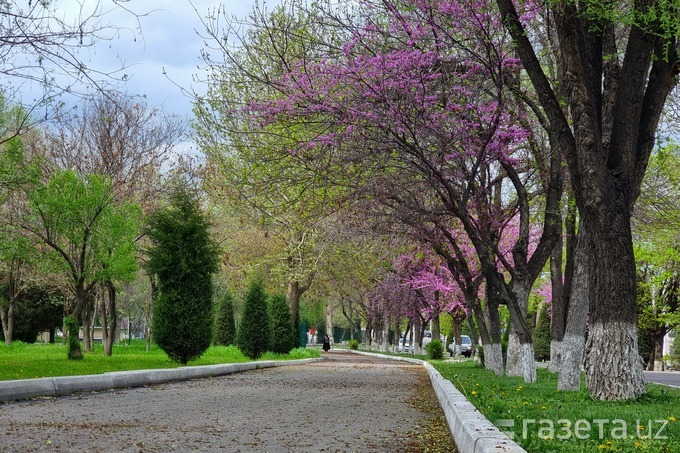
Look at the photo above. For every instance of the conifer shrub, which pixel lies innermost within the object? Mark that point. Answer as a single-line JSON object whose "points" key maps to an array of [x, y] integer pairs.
{"points": [[541, 335], [73, 343], [183, 258], [225, 327], [253, 337], [354, 344], [435, 350], [283, 334]]}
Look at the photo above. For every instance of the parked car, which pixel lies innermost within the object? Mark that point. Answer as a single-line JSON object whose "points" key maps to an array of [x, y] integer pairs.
{"points": [[465, 346], [404, 345]]}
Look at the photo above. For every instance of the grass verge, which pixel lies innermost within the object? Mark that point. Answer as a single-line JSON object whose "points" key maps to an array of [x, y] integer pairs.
{"points": [[25, 361], [543, 419]]}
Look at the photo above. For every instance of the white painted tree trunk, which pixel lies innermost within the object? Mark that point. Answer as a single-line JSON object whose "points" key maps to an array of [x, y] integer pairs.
{"points": [[569, 376], [608, 347], [555, 356], [493, 358], [573, 343], [520, 359]]}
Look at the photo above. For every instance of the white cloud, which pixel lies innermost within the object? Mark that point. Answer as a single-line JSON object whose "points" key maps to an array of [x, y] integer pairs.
{"points": [[166, 53]]}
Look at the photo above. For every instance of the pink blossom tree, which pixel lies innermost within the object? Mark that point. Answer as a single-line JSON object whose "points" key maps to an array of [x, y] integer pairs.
{"points": [[413, 118]]}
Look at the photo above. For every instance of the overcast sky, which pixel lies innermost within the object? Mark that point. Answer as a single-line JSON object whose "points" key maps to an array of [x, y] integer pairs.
{"points": [[169, 43]]}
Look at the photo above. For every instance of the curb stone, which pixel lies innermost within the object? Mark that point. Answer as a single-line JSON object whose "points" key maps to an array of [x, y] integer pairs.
{"points": [[471, 431]]}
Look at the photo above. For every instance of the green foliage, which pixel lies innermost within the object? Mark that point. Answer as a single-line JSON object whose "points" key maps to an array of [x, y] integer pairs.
{"points": [[183, 257], [253, 336], [354, 344], [73, 343], [675, 351], [435, 350], [225, 327], [541, 335], [283, 334], [36, 311], [500, 398]]}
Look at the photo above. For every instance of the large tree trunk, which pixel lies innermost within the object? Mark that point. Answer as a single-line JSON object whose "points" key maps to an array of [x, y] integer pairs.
{"points": [[88, 308], [558, 319], [613, 365], [293, 294], [573, 343], [7, 317], [493, 351], [329, 320], [520, 359], [109, 317], [385, 337], [657, 352], [564, 286]]}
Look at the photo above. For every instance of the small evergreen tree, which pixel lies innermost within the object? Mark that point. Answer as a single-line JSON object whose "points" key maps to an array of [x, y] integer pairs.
{"points": [[253, 338], [283, 333], [541, 335], [183, 258], [225, 328]]}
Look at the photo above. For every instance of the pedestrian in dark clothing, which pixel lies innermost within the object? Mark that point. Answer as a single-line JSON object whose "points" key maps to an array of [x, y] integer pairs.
{"points": [[326, 343]]}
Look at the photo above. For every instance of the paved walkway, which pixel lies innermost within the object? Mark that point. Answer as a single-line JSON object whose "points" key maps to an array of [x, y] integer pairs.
{"points": [[345, 403]]}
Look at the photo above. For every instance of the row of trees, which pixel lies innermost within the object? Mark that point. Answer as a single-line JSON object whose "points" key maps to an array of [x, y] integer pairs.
{"points": [[397, 158], [486, 132]]}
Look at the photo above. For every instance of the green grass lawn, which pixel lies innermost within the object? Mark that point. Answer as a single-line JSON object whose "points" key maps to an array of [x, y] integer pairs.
{"points": [[542, 419], [24, 361]]}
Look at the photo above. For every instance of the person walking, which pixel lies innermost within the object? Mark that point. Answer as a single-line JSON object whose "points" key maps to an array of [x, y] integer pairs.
{"points": [[326, 343]]}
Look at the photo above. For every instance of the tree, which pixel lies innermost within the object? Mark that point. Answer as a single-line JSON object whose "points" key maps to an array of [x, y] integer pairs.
{"points": [[616, 90], [38, 309], [120, 137], [541, 335], [183, 257], [284, 336], [88, 238], [656, 250], [42, 50], [446, 140], [225, 328], [16, 251], [253, 170], [254, 331]]}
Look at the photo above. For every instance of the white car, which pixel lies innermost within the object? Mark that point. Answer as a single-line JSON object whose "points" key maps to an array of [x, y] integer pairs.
{"points": [[465, 347], [404, 345]]}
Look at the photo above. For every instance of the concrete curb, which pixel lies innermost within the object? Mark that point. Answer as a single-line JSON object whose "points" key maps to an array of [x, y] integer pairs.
{"points": [[63, 385], [472, 432]]}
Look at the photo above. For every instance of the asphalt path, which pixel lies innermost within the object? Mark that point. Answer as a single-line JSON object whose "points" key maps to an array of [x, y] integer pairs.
{"points": [[344, 403], [671, 378]]}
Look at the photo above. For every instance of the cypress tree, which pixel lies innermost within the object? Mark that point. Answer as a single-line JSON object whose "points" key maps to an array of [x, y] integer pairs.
{"points": [[225, 329], [541, 335], [253, 338], [283, 333], [183, 257]]}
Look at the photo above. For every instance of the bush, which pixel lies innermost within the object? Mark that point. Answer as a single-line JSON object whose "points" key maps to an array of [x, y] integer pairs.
{"points": [[541, 335], [225, 329], [354, 344], [435, 350], [283, 335], [253, 338], [74, 351]]}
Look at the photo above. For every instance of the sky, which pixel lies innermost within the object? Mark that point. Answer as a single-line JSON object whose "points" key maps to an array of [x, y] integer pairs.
{"points": [[163, 58]]}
